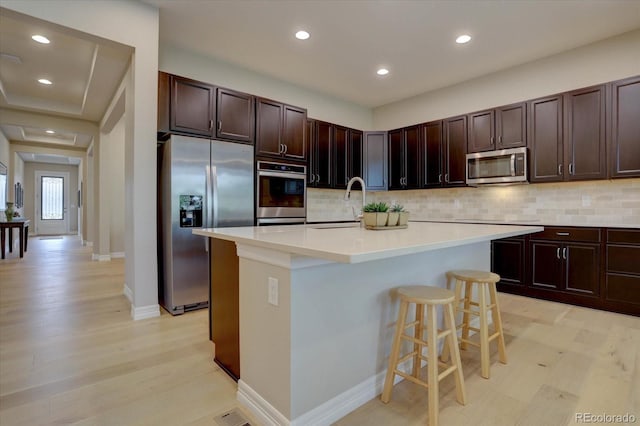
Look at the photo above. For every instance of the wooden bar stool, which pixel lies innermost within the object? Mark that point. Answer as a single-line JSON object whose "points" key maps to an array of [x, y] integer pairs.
{"points": [[431, 297], [465, 303]]}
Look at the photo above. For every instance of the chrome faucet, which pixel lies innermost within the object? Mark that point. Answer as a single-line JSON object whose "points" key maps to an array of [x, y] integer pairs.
{"points": [[347, 195]]}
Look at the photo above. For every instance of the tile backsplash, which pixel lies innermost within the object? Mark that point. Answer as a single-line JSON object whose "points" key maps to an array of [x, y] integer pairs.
{"points": [[589, 203]]}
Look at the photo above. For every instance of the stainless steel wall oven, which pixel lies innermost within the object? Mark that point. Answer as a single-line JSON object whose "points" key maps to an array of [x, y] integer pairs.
{"points": [[281, 193]]}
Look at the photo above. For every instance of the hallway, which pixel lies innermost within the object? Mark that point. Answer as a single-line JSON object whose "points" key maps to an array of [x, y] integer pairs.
{"points": [[70, 353]]}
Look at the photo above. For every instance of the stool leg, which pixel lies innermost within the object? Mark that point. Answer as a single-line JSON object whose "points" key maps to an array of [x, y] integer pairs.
{"points": [[484, 331], [465, 317], [456, 306], [395, 351], [432, 366], [452, 343], [418, 334], [497, 323]]}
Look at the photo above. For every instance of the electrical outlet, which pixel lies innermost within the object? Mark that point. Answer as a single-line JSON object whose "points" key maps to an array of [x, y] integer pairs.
{"points": [[272, 296]]}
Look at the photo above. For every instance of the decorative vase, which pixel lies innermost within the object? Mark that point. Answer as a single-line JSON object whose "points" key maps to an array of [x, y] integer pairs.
{"points": [[9, 211]]}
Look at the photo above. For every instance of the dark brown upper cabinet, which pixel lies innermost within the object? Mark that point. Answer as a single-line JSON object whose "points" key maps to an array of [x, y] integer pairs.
{"points": [[320, 150], [499, 128], [585, 144], [348, 155], [545, 132], [192, 107], [234, 115], [280, 130], [375, 160], [404, 158], [625, 128], [432, 143], [455, 151]]}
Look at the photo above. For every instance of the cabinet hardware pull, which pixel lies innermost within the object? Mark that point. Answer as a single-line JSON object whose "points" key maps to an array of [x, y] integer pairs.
{"points": [[318, 179], [281, 150], [440, 178], [570, 168], [492, 140], [558, 252], [564, 253], [560, 169], [446, 177], [500, 140], [286, 148], [564, 234], [210, 124], [312, 178], [220, 125]]}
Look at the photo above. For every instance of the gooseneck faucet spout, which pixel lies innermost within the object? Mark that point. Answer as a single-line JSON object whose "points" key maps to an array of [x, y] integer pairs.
{"points": [[347, 194]]}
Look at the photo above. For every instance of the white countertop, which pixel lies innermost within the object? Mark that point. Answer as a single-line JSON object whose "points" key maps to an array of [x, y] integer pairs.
{"points": [[346, 243]]}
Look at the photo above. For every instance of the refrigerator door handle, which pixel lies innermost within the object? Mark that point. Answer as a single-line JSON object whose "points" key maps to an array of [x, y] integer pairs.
{"points": [[214, 198], [207, 204]]}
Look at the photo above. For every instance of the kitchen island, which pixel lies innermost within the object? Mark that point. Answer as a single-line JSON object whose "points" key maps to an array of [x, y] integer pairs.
{"points": [[317, 313]]}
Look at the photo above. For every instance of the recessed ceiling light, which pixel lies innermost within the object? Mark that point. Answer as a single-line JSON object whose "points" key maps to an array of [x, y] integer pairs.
{"points": [[382, 71], [302, 35], [464, 38], [51, 132], [44, 81], [40, 39]]}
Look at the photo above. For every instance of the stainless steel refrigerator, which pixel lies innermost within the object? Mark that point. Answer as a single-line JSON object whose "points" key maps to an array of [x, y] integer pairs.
{"points": [[201, 184]]}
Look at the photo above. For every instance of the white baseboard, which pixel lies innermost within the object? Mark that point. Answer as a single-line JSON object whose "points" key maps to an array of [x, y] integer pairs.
{"points": [[117, 255], [87, 243], [144, 312], [128, 293], [101, 257], [264, 412]]}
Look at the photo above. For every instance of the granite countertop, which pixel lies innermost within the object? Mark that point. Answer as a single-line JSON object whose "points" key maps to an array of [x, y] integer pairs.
{"points": [[349, 243]]}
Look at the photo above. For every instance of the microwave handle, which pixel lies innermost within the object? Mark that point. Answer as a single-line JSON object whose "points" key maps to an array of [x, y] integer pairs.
{"points": [[513, 164]]}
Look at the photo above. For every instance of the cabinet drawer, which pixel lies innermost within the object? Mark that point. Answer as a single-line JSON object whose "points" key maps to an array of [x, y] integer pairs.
{"points": [[568, 234], [623, 288], [628, 236], [624, 259]]}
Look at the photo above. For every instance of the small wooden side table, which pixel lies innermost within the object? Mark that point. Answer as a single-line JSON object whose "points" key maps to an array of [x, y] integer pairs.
{"points": [[23, 226]]}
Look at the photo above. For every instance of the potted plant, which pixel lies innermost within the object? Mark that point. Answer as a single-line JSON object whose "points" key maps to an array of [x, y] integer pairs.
{"points": [[394, 214], [375, 214], [403, 216]]}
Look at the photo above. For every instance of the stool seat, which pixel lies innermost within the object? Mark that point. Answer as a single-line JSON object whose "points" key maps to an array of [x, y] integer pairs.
{"points": [[431, 298], [474, 276], [426, 295]]}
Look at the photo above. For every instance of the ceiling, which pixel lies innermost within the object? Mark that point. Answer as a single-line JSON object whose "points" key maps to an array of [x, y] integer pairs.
{"points": [[86, 72], [414, 39]]}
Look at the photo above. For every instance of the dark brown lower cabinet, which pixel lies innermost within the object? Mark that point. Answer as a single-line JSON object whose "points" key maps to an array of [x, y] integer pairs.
{"points": [[593, 267]]}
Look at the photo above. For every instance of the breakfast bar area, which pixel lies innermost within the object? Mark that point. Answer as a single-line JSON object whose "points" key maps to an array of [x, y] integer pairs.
{"points": [[317, 312]]}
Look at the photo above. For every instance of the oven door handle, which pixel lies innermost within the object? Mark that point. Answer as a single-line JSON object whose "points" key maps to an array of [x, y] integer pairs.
{"points": [[513, 164], [301, 176]]}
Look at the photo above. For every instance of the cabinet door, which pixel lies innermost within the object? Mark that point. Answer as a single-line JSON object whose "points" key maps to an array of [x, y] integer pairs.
{"points": [[164, 102], [294, 136], [508, 261], [354, 154], [234, 116], [413, 165], [481, 131], [268, 128], [324, 136], [340, 153], [545, 139], [192, 107], [396, 159], [311, 152], [432, 155], [625, 132], [582, 268], [546, 259], [585, 143], [375, 161], [455, 133], [511, 126]]}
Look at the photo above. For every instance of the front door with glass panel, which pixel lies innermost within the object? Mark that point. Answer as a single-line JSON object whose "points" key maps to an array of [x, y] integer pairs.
{"points": [[52, 196]]}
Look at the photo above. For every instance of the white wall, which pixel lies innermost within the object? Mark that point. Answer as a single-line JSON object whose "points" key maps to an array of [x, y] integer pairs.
{"points": [[4, 159], [113, 150], [137, 25], [607, 60], [210, 70]]}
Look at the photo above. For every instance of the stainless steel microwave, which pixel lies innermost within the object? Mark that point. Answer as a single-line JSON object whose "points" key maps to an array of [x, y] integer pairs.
{"points": [[506, 166]]}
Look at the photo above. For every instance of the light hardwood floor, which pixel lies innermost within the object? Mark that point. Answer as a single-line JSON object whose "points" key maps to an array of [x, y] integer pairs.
{"points": [[70, 354]]}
